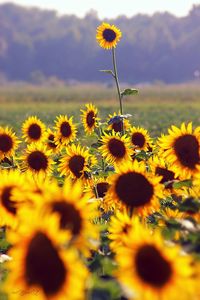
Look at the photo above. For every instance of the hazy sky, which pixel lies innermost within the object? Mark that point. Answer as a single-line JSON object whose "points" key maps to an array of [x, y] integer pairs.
{"points": [[112, 8]]}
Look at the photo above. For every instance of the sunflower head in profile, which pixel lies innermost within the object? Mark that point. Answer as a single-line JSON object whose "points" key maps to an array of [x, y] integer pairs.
{"points": [[133, 188], [65, 130], [181, 149], [13, 190], [98, 186], [108, 35], [37, 160], [33, 130], [76, 162], [117, 124], [159, 167], [140, 138], [8, 143], [89, 118], [149, 269], [45, 269], [115, 148], [51, 144]]}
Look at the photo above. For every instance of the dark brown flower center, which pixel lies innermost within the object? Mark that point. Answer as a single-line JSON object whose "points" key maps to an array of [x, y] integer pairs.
{"points": [[126, 228], [34, 131], [65, 129], [43, 265], [102, 188], [6, 143], [69, 216], [109, 35], [37, 161], [133, 189], [167, 175], [90, 119], [51, 141], [186, 148], [6, 201], [117, 127], [152, 267], [117, 148], [138, 139], [76, 165]]}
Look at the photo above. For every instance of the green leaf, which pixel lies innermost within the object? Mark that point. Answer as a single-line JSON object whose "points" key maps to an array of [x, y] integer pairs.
{"points": [[180, 184], [108, 72], [129, 92]]}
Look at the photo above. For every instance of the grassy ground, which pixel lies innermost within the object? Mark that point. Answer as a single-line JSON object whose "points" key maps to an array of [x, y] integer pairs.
{"points": [[155, 108]]}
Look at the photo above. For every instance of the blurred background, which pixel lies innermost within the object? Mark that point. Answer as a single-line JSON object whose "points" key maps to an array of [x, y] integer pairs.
{"points": [[41, 40]]}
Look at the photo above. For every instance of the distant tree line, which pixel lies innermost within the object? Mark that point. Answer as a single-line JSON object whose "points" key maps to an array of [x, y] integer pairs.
{"points": [[38, 43]]}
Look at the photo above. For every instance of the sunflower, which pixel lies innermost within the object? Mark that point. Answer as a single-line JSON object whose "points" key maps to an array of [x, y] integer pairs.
{"points": [[133, 188], [76, 162], [98, 187], [148, 268], [159, 167], [140, 138], [118, 124], [13, 188], [76, 213], [51, 141], [65, 130], [89, 118], [33, 130], [119, 226], [181, 149], [36, 160], [44, 269], [115, 148], [168, 216], [108, 35], [190, 195], [8, 143]]}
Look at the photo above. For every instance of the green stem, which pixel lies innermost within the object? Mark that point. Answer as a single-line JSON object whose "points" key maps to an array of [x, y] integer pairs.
{"points": [[99, 136], [117, 85], [117, 80]]}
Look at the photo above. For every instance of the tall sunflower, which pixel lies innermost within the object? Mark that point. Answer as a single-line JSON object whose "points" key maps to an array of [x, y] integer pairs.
{"points": [[140, 138], [115, 148], [181, 149], [148, 268], [65, 130], [34, 130], [89, 118], [8, 143], [133, 188], [76, 162], [118, 123], [44, 269], [108, 35], [37, 160]]}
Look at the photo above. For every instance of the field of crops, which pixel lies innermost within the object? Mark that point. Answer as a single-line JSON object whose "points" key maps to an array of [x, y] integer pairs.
{"points": [[155, 107]]}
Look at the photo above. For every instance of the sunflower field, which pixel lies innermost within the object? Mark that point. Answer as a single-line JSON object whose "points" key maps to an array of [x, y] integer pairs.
{"points": [[114, 220]]}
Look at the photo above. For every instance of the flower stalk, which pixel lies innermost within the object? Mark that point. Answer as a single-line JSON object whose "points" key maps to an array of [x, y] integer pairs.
{"points": [[115, 75]]}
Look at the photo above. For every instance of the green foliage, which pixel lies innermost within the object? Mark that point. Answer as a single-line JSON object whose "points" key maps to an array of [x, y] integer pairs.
{"points": [[129, 92]]}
